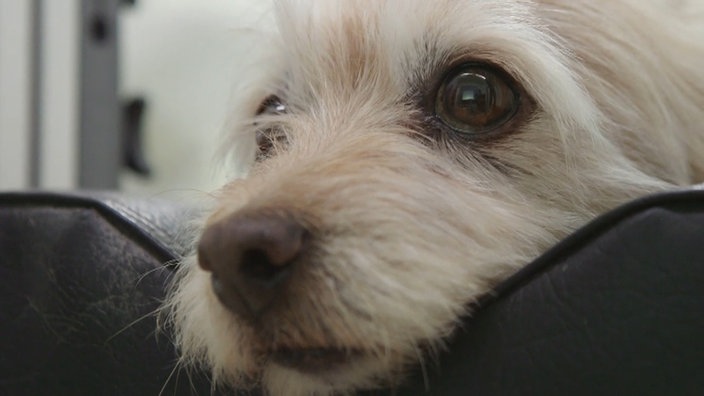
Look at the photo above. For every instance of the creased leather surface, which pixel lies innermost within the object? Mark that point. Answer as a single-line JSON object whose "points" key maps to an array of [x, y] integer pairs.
{"points": [[78, 289], [616, 309]]}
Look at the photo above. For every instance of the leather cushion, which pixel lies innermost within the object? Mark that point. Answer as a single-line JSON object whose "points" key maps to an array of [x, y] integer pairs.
{"points": [[80, 279], [614, 309]]}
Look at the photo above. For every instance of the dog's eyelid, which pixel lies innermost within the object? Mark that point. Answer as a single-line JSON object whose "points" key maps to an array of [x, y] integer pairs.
{"points": [[272, 104]]}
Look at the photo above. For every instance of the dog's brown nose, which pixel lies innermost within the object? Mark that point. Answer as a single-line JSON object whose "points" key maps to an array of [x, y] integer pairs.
{"points": [[250, 256]]}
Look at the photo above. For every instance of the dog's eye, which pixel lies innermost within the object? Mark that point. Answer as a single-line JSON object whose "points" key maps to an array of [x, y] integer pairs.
{"points": [[475, 99], [271, 105], [268, 138]]}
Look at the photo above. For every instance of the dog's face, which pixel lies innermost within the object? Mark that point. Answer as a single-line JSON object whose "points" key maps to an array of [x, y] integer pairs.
{"points": [[409, 155]]}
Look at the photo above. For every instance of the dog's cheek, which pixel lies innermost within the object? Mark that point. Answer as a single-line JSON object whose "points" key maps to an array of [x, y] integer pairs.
{"points": [[416, 265]]}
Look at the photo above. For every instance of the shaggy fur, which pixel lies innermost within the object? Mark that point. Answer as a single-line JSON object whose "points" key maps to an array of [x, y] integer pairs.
{"points": [[411, 222]]}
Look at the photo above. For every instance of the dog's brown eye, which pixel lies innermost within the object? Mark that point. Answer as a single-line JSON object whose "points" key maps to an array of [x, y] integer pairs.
{"points": [[475, 99]]}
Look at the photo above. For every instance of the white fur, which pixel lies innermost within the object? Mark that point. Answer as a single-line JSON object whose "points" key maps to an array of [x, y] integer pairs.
{"points": [[412, 230]]}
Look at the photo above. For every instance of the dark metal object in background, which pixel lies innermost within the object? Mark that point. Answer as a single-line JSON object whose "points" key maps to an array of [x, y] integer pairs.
{"points": [[99, 135], [133, 150], [100, 139], [105, 144], [110, 131], [35, 94]]}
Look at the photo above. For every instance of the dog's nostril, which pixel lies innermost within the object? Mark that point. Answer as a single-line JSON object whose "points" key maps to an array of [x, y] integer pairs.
{"points": [[258, 266]]}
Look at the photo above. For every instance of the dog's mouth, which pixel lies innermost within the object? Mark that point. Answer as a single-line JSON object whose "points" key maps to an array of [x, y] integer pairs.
{"points": [[315, 360]]}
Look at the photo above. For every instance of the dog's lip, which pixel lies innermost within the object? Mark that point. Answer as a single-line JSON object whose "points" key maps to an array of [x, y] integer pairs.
{"points": [[314, 359]]}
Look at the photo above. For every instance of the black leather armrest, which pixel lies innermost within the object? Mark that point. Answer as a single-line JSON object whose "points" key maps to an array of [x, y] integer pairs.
{"points": [[614, 309], [80, 279]]}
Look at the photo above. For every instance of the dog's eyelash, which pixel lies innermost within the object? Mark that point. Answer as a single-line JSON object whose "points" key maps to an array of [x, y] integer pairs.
{"points": [[268, 141]]}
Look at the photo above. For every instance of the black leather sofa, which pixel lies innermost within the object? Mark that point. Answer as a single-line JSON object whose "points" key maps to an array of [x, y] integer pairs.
{"points": [[615, 309]]}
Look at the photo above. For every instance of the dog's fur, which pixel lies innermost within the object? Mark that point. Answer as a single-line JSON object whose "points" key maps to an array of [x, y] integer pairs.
{"points": [[411, 222]]}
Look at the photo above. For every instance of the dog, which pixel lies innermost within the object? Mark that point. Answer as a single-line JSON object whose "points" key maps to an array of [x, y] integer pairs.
{"points": [[405, 156]]}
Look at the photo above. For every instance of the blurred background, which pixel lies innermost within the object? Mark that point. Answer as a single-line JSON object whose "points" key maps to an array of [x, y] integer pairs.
{"points": [[130, 95]]}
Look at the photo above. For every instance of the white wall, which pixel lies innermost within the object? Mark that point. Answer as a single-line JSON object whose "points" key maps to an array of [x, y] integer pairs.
{"points": [[182, 55], [15, 52], [57, 86], [58, 118]]}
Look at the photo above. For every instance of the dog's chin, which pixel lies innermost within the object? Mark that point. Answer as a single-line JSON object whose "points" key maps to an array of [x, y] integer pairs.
{"points": [[319, 369], [322, 371], [318, 361]]}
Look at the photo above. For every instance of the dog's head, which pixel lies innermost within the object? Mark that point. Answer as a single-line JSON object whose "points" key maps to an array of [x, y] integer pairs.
{"points": [[409, 155]]}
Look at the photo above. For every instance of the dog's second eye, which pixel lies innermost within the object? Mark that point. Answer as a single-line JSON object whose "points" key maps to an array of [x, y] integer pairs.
{"points": [[268, 138], [475, 99], [271, 105]]}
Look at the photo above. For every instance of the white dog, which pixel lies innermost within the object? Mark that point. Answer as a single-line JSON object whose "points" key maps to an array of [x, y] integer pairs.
{"points": [[410, 154]]}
